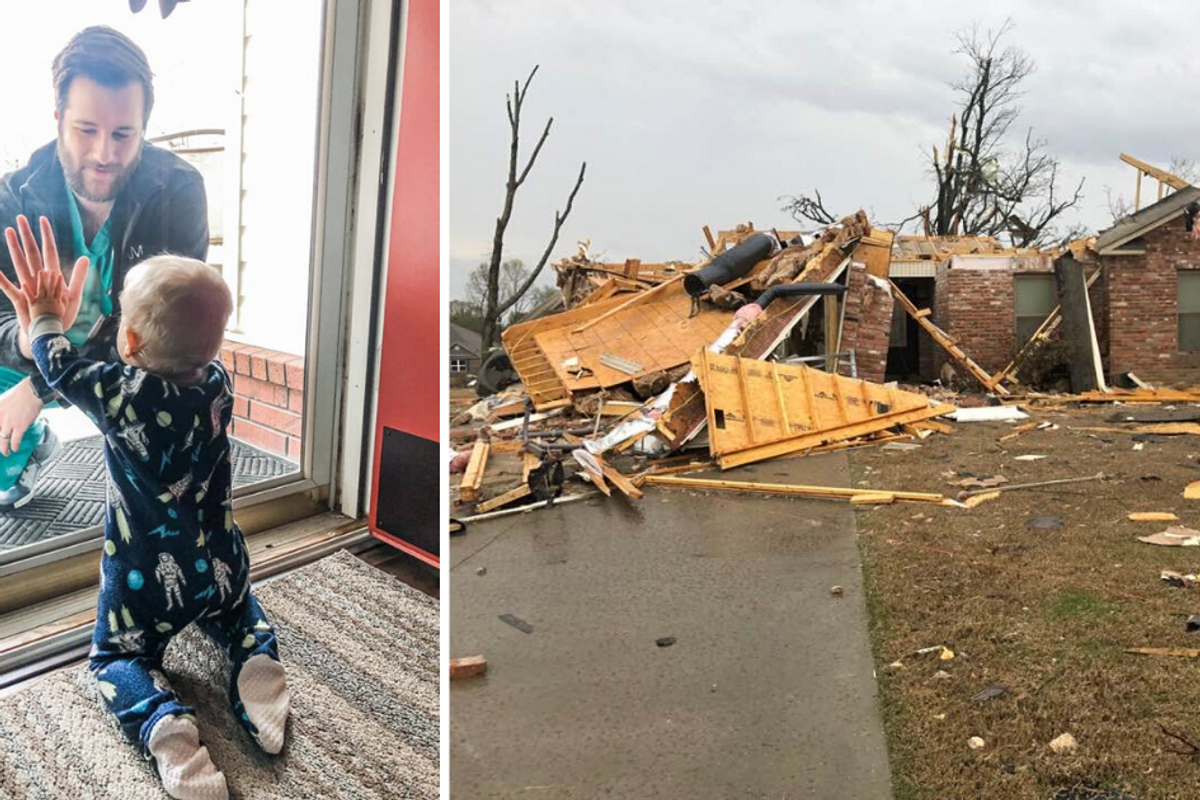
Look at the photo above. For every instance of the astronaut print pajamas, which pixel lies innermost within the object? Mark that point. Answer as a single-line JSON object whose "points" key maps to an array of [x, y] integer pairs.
{"points": [[172, 552]]}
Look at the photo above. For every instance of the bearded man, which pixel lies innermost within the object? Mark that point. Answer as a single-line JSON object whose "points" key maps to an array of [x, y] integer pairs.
{"points": [[111, 198]]}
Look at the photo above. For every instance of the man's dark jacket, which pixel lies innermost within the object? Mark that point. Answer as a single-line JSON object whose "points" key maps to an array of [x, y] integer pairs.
{"points": [[162, 209]]}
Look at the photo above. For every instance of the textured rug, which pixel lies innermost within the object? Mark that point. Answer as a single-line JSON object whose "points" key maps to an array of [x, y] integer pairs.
{"points": [[361, 652], [70, 491]]}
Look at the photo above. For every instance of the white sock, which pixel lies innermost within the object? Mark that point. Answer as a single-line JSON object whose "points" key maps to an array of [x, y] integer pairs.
{"points": [[184, 766], [262, 686]]}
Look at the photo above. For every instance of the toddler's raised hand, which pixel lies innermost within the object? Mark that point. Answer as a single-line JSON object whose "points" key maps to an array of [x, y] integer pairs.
{"points": [[46, 294]]}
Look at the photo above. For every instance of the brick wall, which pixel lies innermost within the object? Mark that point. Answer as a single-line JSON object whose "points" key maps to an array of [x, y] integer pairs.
{"points": [[268, 397], [867, 324], [975, 306], [1143, 334]]}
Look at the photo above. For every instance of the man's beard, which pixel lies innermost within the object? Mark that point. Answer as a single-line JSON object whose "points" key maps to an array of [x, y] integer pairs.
{"points": [[74, 175]]}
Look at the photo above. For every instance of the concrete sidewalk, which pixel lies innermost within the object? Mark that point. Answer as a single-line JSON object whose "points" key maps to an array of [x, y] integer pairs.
{"points": [[767, 691]]}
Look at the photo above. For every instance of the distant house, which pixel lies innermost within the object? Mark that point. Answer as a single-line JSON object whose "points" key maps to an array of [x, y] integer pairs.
{"points": [[465, 348]]}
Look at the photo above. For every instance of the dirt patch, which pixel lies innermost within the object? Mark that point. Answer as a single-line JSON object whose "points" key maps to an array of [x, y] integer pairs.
{"points": [[1042, 611]]}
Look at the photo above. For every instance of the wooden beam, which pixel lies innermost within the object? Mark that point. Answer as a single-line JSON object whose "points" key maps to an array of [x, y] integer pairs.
{"points": [[468, 490], [502, 500], [831, 332], [528, 462], [825, 492], [1174, 181], [1179, 652], [619, 480]]}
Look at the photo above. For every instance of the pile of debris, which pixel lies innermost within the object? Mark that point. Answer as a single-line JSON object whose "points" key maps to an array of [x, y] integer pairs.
{"points": [[659, 369]]}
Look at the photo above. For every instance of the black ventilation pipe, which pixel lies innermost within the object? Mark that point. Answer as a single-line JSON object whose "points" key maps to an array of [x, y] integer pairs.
{"points": [[732, 264], [789, 289]]}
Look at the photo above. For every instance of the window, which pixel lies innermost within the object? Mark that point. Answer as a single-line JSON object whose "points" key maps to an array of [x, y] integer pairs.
{"points": [[1188, 298], [458, 366], [1034, 298], [285, 409]]}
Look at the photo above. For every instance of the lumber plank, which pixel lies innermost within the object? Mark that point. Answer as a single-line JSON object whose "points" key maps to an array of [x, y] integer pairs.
{"points": [[504, 499], [1179, 652], [798, 490], [468, 490], [619, 480], [872, 498]]}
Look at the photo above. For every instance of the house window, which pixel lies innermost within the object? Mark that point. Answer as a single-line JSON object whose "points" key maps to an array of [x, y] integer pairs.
{"points": [[458, 366], [1188, 291], [1034, 300]]}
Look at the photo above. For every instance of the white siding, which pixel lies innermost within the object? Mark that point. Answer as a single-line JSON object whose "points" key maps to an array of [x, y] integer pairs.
{"points": [[280, 90]]}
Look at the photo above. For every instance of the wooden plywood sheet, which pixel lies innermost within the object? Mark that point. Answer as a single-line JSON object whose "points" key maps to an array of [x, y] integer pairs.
{"points": [[655, 334], [759, 409]]}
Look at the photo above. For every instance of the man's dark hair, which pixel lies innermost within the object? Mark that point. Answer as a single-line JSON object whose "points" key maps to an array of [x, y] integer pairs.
{"points": [[109, 58]]}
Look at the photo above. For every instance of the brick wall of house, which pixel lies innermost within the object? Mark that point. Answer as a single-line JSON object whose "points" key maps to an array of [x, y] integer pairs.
{"points": [[975, 306], [1143, 335], [867, 324], [268, 397]]}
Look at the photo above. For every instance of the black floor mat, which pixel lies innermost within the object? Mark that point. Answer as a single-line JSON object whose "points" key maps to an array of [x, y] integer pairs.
{"points": [[70, 492]]}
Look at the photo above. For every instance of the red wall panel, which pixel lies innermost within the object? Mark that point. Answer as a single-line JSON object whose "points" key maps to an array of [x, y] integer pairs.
{"points": [[410, 368]]}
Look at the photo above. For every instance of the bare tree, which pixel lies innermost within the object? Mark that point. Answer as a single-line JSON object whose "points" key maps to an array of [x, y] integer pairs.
{"points": [[513, 276], [494, 306], [985, 185], [1184, 168], [802, 207]]}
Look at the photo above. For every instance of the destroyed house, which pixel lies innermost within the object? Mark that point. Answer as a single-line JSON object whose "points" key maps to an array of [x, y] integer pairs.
{"points": [[989, 299], [1143, 275]]}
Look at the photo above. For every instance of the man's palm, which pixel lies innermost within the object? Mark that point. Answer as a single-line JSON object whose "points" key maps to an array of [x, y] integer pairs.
{"points": [[28, 260]]}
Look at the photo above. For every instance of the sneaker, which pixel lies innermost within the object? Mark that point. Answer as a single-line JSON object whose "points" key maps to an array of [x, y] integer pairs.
{"points": [[48, 448], [22, 491]]}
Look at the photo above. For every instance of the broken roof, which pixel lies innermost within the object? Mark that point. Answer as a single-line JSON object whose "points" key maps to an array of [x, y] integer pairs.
{"points": [[1129, 228]]}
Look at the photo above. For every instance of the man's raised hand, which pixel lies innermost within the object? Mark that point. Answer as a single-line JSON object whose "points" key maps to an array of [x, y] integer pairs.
{"points": [[28, 262]]}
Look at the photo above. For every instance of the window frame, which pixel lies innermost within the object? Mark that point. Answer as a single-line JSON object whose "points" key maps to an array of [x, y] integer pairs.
{"points": [[289, 497], [1018, 279], [1192, 275]]}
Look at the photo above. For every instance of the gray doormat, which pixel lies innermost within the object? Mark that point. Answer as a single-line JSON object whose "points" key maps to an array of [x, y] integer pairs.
{"points": [[361, 653], [70, 491]]}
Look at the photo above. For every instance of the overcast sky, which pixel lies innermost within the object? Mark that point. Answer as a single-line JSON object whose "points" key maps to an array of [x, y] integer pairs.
{"points": [[688, 117]]}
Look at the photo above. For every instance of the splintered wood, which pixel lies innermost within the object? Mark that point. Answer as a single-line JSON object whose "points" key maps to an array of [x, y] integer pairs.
{"points": [[760, 409]]}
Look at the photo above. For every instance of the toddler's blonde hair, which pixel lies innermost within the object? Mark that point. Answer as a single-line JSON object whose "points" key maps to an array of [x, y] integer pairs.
{"points": [[179, 306]]}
